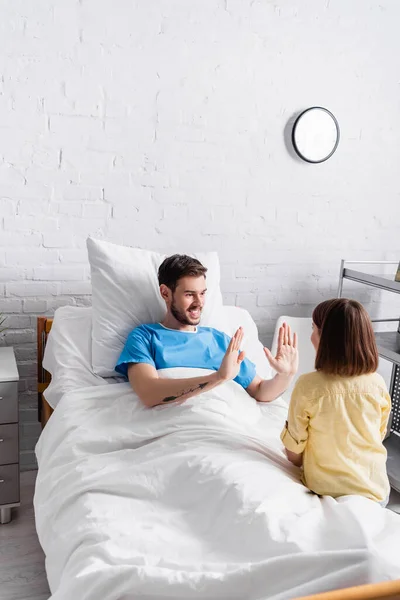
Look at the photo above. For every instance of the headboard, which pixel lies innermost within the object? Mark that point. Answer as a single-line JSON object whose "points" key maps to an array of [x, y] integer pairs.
{"points": [[43, 329]]}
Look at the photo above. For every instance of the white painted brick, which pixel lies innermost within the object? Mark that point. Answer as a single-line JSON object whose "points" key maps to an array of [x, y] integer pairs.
{"points": [[57, 301], [84, 159], [20, 239], [19, 337], [73, 130], [251, 271], [125, 211], [135, 195], [268, 299], [29, 191], [70, 209], [169, 195], [8, 207], [17, 322], [31, 257], [10, 305], [133, 234], [76, 288], [228, 299], [31, 289], [138, 127], [57, 239], [37, 223], [144, 214], [32, 207], [27, 369], [12, 274], [39, 174], [30, 123], [59, 273], [110, 178], [222, 213], [247, 301], [238, 285], [84, 227], [78, 193], [220, 228], [73, 255], [98, 210], [34, 306]]}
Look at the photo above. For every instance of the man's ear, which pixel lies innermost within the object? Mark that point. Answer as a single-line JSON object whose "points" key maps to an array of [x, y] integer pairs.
{"points": [[165, 292]]}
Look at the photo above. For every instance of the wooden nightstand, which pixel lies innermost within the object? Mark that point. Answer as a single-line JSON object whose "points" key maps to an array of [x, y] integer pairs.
{"points": [[9, 434]]}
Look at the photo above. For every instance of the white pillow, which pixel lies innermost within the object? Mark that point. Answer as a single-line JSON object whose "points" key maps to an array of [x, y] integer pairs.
{"points": [[125, 294], [68, 353]]}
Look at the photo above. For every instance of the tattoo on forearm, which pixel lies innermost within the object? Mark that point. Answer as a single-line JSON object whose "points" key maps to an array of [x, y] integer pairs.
{"points": [[184, 392]]}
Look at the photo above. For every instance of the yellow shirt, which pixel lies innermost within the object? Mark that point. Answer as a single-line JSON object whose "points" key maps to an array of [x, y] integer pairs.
{"points": [[339, 423]]}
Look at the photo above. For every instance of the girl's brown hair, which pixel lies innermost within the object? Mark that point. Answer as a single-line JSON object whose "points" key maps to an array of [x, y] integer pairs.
{"points": [[347, 344]]}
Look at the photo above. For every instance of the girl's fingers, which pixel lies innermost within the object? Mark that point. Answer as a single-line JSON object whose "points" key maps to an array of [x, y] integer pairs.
{"points": [[281, 336], [295, 340]]}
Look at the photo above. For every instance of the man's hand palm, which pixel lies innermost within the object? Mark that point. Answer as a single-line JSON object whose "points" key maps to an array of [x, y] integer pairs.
{"points": [[233, 359]]}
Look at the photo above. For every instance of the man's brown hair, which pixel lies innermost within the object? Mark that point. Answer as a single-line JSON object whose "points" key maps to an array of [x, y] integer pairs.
{"points": [[347, 344], [177, 266]]}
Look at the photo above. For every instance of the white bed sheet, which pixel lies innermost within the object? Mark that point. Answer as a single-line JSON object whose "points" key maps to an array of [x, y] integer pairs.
{"points": [[68, 353], [193, 501]]}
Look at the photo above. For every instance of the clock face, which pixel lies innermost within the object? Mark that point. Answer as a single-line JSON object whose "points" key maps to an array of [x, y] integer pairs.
{"points": [[315, 134]]}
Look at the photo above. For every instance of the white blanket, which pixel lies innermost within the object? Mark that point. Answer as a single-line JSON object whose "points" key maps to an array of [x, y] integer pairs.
{"points": [[195, 500]]}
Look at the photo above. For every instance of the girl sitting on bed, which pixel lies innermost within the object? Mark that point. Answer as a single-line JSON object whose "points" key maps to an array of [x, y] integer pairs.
{"points": [[338, 414]]}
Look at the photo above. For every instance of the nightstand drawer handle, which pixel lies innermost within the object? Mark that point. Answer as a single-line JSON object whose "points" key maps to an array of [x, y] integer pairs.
{"points": [[1, 480], [1, 440], [1, 397]]}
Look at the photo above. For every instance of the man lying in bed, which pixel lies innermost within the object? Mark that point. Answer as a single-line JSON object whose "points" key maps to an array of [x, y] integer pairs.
{"points": [[179, 342]]}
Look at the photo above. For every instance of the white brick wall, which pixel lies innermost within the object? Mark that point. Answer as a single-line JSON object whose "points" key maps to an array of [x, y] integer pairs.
{"points": [[166, 125]]}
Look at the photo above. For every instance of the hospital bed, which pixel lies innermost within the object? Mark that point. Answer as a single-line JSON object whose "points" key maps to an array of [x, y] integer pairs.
{"points": [[189, 501]]}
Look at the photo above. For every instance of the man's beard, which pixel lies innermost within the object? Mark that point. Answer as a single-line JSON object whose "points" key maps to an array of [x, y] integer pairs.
{"points": [[182, 317]]}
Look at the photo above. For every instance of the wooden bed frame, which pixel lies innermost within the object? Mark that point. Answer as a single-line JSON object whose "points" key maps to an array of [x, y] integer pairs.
{"points": [[375, 591], [44, 409]]}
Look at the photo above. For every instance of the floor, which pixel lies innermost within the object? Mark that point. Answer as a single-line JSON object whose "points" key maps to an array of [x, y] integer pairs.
{"points": [[22, 573]]}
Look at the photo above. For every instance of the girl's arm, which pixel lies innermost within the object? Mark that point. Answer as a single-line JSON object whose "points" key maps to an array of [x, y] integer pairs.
{"points": [[296, 459], [295, 433], [385, 415]]}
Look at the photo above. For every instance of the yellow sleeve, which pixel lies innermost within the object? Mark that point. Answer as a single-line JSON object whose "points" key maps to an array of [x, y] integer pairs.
{"points": [[295, 433], [385, 415]]}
